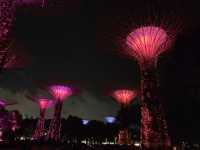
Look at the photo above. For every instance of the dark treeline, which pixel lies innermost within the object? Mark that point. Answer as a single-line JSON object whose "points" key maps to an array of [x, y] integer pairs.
{"points": [[74, 131]]}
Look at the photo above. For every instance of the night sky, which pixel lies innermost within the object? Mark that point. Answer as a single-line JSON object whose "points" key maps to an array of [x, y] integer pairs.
{"points": [[77, 44]]}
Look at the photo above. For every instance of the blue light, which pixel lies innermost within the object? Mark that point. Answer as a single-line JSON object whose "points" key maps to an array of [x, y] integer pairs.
{"points": [[85, 122], [110, 119]]}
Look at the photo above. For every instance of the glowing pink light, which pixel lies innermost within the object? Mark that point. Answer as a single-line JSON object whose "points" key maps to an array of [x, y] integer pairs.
{"points": [[124, 96], [44, 103], [60, 92], [147, 43]]}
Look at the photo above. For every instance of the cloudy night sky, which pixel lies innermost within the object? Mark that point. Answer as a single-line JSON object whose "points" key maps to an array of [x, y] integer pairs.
{"points": [[75, 44]]}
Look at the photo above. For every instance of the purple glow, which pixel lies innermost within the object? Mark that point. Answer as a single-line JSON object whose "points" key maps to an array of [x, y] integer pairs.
{"points": [[60, 92], [85, 122], [110, 119]]}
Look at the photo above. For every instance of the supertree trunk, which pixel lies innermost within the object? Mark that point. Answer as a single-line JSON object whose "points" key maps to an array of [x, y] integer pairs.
{"points": [[55, 125], [40, 129], [123, 135], [154, 134]]}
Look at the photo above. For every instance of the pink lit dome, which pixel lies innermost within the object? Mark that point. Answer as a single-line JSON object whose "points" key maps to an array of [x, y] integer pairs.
{"points": [[60, 92], [124, 96], [45, 103], [147, 43]]}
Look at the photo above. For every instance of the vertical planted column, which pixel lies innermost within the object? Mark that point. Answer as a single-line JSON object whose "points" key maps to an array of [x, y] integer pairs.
{"points": [[124, 98], [153, 124], [40, 128], [55, 126], [145, 44], [60, 93]]}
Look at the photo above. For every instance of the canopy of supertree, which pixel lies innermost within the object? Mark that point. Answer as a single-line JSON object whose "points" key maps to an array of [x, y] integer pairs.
{"points": [[60, 92], [124, 96], [147, 43], [45, 103]]}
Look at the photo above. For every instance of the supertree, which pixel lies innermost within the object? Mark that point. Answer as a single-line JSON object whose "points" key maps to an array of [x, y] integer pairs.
{"points": [[60, 93], [145, 44], [124, 97], [44, 104]]}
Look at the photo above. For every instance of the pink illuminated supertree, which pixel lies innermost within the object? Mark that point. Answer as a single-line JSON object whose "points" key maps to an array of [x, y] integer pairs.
{"points": [[43, 104], [145, 44], [60, 93], [40, 129], [124, 97]]}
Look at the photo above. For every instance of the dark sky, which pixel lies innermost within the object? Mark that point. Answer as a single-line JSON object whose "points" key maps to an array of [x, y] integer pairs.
{"points": [[62, 48], [76, 43]]}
